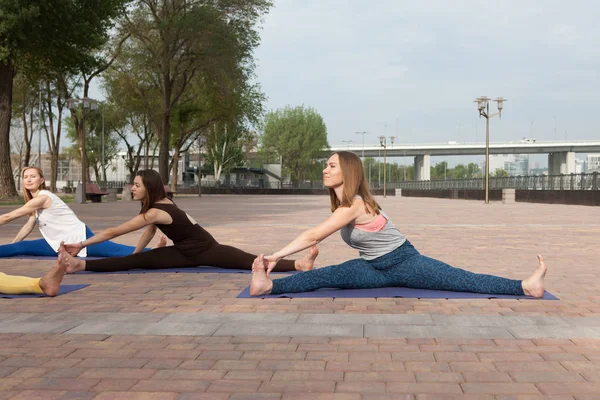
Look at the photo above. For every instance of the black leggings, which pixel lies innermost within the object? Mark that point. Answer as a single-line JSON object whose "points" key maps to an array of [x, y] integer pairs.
{"points": [[216, 255]]}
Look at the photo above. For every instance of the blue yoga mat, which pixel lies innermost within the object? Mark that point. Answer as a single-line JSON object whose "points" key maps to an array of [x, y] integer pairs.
{"points": [[63, 290], [190, 270], [52, 258], [391, 292]]}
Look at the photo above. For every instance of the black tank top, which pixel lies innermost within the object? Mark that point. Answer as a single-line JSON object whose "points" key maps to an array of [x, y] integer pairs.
{"points": [[188, 237]]}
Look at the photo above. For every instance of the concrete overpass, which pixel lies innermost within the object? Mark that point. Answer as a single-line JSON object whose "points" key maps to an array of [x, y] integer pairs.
{"points": [[561, 154]]}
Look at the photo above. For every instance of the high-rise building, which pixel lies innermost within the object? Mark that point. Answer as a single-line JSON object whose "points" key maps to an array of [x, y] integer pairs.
{"points": [[513, 164]]}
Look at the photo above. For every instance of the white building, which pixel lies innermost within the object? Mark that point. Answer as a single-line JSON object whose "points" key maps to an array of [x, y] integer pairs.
{"points": [[579, 166], [593, 163], [514, 164]]}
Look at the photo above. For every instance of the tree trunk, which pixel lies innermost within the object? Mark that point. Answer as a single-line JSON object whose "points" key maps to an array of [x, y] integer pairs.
{"points": [[174, 171], [25, 139], [7, 181], [165, 132], [28, 140]]}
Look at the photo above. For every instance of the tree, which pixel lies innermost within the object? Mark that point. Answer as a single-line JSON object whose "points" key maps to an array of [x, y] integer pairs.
{"points": [[473, 170], [460, 172], [500, 173], [40, 35], [298, 135], [227, 146], [440, 171], [132, 110], [177, 41], [93, 142], [25, 109], [53, 93]]}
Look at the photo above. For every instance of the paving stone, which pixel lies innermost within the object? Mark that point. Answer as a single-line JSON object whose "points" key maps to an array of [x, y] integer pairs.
{"points": [[190, 330], [436, 332], [328, 330]]}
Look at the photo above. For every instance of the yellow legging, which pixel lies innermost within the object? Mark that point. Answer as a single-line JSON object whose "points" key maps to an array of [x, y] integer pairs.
{"points": [[12, 284]]}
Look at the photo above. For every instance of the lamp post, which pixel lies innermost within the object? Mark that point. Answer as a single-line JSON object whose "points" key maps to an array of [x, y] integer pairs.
{"points": [[201, 143], [363, 142], [347, 143], [383, 143], [73, 105], [483, 106], [103, 164], [40, 129]]}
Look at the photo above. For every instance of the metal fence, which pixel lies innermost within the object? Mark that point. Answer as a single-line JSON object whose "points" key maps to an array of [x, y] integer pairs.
{"points": [[535, 182]]}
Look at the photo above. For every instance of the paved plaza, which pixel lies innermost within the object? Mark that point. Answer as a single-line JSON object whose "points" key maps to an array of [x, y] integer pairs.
{"points": [[186, 335]]}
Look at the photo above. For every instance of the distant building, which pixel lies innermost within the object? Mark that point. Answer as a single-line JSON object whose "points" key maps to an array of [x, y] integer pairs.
{"points": [[513, 164], [593, 163], [579, 166]]}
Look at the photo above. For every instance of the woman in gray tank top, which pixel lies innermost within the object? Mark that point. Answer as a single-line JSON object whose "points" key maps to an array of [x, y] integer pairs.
{"points": [[387, 258]]}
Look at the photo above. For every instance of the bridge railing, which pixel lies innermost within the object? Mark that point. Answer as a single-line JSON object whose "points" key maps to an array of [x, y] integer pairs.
{"points": [[533, 182]]}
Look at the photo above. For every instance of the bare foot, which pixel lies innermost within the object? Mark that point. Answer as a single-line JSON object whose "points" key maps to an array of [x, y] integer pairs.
{"points": [[162, 241], [50, 283], [260, 283], [307, 262], [71, 263], [534, 285]]}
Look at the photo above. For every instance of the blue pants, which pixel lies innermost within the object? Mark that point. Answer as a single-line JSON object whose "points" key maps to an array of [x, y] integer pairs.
{"points": [[40, 247], [403, 267]]}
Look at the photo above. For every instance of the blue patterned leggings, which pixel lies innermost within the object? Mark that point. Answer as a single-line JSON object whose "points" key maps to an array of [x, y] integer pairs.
{"points": [[40, 247], [403, 267]]}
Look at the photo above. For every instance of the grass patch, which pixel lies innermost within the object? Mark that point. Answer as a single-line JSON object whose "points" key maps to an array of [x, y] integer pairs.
{"points": [[19, 201], [12, 201]]}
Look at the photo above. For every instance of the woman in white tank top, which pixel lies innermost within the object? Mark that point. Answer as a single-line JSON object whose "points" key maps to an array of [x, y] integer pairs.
{"points": [[56, 221]]}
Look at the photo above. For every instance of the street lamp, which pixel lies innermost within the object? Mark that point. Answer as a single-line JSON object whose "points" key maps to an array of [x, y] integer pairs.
{"points": [[201, 144], [383, 143], [103, 164], [483, 106], [347, 143], [363, 142], [73, 105]]}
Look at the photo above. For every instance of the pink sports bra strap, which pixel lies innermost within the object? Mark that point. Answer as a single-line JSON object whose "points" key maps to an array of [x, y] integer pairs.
{"points": [[374, 226]]}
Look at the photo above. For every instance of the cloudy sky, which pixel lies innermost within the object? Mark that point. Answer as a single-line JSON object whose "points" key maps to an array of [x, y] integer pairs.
{"points": [[413, 68]]}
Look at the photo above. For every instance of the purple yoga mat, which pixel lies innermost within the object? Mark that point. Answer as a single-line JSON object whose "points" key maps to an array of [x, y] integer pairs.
{"points": [[63, 290], [391, 292]]}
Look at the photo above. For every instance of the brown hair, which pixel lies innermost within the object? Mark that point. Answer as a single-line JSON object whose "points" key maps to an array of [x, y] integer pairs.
{"points": [[155, 189], [26, 192], [355, 183]]}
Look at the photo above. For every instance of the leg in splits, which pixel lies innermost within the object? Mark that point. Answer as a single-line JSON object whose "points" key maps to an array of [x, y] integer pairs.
{"points": [[48, 284]]}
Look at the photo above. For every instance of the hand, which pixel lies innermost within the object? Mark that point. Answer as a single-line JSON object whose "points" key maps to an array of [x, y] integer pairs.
{"points": [[73, 248], [162, 241], [270, 262]]}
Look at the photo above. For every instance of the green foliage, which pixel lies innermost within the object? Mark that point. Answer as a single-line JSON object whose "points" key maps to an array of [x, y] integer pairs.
{"points": [[298, 135], [37, 35], [499, 173], [395, 172], [461, 171], [197, 55], [226, 147]]}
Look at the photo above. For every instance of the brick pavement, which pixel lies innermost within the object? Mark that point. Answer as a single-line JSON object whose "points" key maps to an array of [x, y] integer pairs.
{"points": [[186, 336]]}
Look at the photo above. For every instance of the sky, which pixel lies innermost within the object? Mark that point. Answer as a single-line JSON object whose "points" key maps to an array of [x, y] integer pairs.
{"points": [[412, 69]]}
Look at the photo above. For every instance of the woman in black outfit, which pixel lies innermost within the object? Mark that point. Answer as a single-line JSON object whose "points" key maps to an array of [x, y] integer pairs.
{"points": [[192, 245]]}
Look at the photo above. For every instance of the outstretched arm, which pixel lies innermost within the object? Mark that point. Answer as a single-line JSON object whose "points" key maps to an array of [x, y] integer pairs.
{"points": [[132, 225], [25, 230], [340, 217], [37, 203], [145, 239]]}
